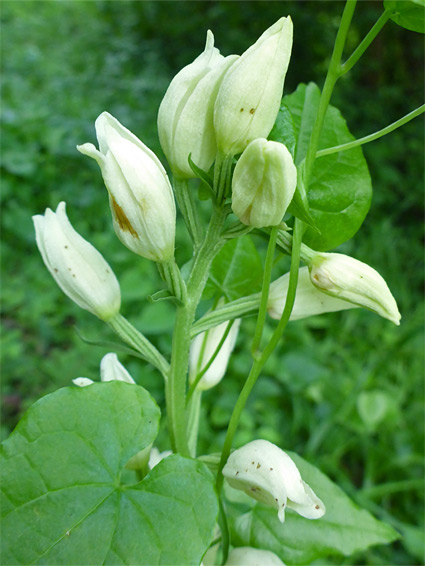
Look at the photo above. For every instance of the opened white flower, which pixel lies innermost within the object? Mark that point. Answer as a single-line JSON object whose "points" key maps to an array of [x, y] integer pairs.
{"points": [[185, 117], [77, 267], [202, 349], [347, 278], [249, 97], [247, 556], [309, 301], [140, 194], [111, 369], [266, 473]]}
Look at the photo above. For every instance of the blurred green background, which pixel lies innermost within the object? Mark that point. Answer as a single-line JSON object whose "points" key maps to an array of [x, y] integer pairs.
{"points": [[344, 390]]}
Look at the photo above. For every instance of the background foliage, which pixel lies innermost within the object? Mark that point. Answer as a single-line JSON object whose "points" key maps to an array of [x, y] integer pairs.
{"points": [[345, 390]]}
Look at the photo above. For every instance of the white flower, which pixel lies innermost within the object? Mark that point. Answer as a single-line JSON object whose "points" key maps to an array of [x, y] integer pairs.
{"points": [[267, 473], [309, 301], [111, 369], [185, 117], [263, 184], [249, 97], [202, 349], [77, 267], [247, 556], [140, 194], [347, 278]]}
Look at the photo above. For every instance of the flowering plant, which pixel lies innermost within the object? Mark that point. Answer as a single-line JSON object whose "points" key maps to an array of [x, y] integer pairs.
{"points": [[83, 481]]}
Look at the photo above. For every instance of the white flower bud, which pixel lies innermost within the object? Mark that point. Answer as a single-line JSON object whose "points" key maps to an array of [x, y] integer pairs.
{"points": [[202, 349], [309, 301], [140, 194], [82, 381], [267, 473], [347, 278], [77, 267], [249, 97], [111, 369], [247, 556], [264, 183], [185, 117]]}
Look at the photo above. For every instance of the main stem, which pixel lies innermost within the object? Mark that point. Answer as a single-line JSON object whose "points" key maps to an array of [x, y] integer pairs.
{"points": [[176, 384]]}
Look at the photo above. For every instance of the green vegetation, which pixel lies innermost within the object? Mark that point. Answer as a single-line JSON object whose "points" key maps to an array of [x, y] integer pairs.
{"points": [[345, 390]]}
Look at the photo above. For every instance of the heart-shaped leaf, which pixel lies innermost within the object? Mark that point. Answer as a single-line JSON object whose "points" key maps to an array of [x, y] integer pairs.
{"points": [[63, 501]]}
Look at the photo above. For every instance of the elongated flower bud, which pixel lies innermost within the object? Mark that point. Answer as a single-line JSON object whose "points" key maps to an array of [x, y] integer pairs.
{"points": [[347, 278], [247, 556], [140, 194], [111, 369], [249, 96], [202, 349], [267, 473], [309, 301], [264, 183], [185, 117], [77, 267]]}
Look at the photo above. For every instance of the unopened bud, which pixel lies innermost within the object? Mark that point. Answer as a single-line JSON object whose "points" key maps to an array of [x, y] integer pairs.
{"points": [[266, 473], [349, 279], [185, 117], [309, 301], [247, 556], [249, 97], [111, 369], [140, 194], [264, 183], [77, 267]]}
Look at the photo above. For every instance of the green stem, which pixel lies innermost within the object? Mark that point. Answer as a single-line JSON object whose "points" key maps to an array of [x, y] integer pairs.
{"points": [[361, 48], [170, 273], [258, 364], [235, 309], [186, 204], [264, 292], [193, 414], [207, 366], [331, 78], [175, 392], [375, 135], [129, 334]]}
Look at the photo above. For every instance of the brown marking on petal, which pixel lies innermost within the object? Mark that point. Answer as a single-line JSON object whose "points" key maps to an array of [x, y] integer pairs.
{"points": [[317, 507], [55, 270], [66, 247], [258, 465], [241, 110], [236, 473], [271, 469], [252, 463], [252, 111], [121, 218]]}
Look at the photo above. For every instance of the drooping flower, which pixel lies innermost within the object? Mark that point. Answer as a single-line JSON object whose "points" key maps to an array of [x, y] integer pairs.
{"points": [[111, 369], [346, 278], [266, 473], [309, 301]]}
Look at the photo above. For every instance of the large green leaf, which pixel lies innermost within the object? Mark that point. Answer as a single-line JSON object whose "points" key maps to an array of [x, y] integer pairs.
{"points": [[409, 14], [340, 191], [63, 501], [236, 271], [344, 529]]}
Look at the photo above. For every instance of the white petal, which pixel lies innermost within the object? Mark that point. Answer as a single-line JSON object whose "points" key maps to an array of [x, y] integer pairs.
{"points": [[111, 369]]}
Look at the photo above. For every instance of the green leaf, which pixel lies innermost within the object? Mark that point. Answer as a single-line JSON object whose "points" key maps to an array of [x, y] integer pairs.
{"points": [[409, 14], [237, 270], [63, 501], [344, 529], [284, 129], [111, 345], [340, 190]]}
